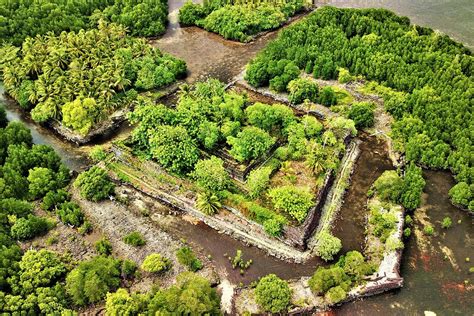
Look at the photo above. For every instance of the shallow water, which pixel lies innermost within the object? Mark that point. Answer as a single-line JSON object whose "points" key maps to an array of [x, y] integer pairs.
{"points": [[432, 283], [69, 153]]}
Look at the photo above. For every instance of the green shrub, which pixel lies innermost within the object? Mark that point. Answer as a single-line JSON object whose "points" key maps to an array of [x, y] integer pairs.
{"points": [[428, 230], [90, 281], [362, 114], [393, 243], [389, 186], [85, 228], [94, 184], [36, 269], [70, 213], [292, 200], [312, 127], [174, 149], [54, 198], [187, 258], [327, 96], [407, 232], [41, 181], [269, 117], [344, 76], [328, 246], [207, 203], [258, 180], [462, 193], [274, 226], [191, 295], [29, 227], [335, 295], [211, 175], [302, 89], [447, 223], [190, 13], [280, 82], [156, 263], [384, 223], [128, 269], [103, 247], [326, 278], [134, 239], [122, 303], [354, 265], [98, 154], [273, 294], [250, 144], [413, 184]]}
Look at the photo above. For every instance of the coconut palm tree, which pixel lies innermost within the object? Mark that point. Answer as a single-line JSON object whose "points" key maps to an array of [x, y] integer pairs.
{"points": [[208, 203]]}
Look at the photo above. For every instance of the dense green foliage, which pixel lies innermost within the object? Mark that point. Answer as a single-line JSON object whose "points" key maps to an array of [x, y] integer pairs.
{"points": [[404, 190], [294, 201], [239, 20], [29, 227], [94, 184], [336, 280], [208, 203], [250, 144], [191, 295], [462, 194], [90, 281], [187, 257], [134, 239], [214, 135], [211, 176], [103, 246], [156, 263], [27, 18], [362, 114], [174, 149], [32, 282], [432, 74], [328, 246], [302, 89], [27, 172], [70, 213], [258, 180], [80, 78], [273, 294]]}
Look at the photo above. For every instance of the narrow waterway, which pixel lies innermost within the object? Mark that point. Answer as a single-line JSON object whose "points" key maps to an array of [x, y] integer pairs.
{"points": [[350, 223], [70, 154]]}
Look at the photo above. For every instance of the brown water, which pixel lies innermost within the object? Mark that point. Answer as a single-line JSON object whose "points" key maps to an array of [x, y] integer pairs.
{"points": [[71, 155], [350, 223], [432, 283]]}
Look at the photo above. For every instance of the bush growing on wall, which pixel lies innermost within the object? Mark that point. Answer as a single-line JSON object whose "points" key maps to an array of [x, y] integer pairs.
{"points": [[273, 294], [94, 184]]}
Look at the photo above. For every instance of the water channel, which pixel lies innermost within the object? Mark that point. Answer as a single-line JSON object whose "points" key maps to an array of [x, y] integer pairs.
{"points": [[435, 268]]}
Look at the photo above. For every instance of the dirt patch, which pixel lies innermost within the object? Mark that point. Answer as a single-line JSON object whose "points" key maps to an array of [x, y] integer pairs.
{"points": [[115, 220]]}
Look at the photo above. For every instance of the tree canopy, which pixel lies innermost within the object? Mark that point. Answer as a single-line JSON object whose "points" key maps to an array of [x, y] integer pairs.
{"points": [[81, 77], [27, 18], [427, 74], [239, 20]]}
